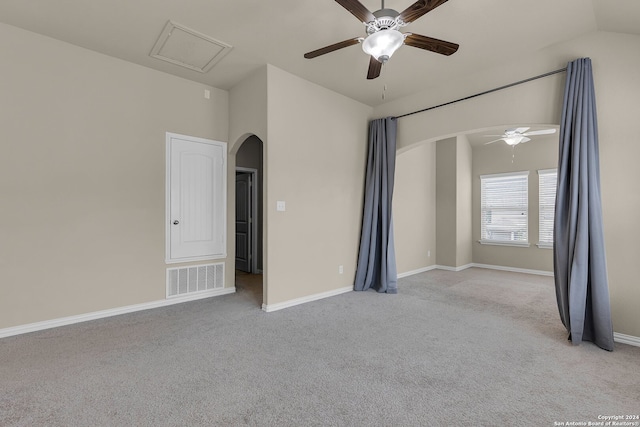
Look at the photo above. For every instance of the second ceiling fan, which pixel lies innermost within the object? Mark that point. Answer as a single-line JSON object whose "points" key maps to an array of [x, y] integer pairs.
{"points": [[519, 135], [383, 35]]}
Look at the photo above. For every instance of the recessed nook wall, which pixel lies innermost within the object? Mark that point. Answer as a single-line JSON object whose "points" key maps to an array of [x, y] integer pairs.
{"points": [[539, 153]]}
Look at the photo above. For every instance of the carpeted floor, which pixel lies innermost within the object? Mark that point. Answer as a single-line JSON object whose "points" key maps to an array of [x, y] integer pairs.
{"points": [[473, 348]]}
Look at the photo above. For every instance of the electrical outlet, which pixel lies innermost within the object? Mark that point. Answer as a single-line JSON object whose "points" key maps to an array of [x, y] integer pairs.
{"points": [[340, 269], [429, 254]]}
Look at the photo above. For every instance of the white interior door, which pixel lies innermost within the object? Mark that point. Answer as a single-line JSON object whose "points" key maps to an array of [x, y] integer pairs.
{"points": [[197, 199]]}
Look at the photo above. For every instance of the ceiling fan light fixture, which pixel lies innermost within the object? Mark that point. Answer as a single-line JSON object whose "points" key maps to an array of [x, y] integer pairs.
{"points": [[514, 140], [382, 44]]}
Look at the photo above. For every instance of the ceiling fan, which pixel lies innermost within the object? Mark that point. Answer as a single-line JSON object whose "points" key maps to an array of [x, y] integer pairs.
{"points": [[383, 35], [519, 135]]}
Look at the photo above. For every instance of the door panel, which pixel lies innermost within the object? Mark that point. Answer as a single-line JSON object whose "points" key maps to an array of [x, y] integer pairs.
{"points": [[198, 199], [244, 209]]}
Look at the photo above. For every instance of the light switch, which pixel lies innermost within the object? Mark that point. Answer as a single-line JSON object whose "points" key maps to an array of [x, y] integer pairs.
{"points": [[281, 206]]}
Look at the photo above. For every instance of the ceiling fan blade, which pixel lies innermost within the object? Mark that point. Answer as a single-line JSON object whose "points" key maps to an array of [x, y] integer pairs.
{"points": [[519, 130], [434, 45], [524, 139], [332, 48], [541, 132], [357, 9], [491, 142], [419, 8], [374, 68]]}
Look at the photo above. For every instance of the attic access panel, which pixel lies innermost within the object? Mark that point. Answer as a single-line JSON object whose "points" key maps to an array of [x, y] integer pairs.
{"points": [[188, 48]]}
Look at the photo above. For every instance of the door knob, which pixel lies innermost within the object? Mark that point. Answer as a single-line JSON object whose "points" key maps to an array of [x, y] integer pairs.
{"points": [[176, 222]]}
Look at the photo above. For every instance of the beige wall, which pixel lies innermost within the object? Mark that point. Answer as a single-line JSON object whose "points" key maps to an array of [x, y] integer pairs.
{"points": [[446, 227], [414, 210], [539, 102], [248, 118], [316, 158], [82, 175], [314, 151], [617, 83], [453, 202], [248, 109], [464, 208], [539, 153]]}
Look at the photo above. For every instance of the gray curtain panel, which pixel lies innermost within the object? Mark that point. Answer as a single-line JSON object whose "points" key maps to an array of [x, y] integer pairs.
{"points": [[377, 258], [582, 288]]}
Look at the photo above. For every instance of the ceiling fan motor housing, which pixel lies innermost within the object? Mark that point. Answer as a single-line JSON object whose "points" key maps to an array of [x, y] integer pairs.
{"points": [[386, 19], [386, 12]]}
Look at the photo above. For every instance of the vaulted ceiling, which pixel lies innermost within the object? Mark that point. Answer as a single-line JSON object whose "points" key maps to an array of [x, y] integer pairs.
{"points": [[279, 32]]}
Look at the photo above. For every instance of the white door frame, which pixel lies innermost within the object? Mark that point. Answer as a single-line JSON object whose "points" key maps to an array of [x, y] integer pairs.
{"points": [[254, 215]]}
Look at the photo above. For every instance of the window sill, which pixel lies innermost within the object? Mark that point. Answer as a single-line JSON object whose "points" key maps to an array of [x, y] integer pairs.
{"points": [[504, 243], [545, 245]]}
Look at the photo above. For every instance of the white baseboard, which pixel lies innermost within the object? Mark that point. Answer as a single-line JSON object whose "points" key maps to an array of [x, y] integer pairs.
{"points": [[286, 304], [418, 271], [459, 268], [434, 267], [626, 339], [63, 321], [464, 267], [513, 269]]}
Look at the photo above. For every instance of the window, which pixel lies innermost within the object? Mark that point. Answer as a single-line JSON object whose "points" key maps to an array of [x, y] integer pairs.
{"points": [[548, 180], [504, 205]]}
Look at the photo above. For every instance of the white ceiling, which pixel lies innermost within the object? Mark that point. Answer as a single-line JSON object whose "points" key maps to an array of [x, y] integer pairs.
{"points": [[279, 32]]}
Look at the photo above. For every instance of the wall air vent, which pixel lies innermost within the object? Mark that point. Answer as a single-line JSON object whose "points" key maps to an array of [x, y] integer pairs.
{"points": [[198, 278], [190, 49]]}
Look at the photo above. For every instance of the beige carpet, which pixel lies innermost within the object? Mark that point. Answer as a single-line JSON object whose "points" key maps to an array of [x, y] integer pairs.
{"points": [[474, 348]]}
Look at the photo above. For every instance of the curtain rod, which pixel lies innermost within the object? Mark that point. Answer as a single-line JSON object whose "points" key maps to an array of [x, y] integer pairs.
{"points": [[550, 73]]}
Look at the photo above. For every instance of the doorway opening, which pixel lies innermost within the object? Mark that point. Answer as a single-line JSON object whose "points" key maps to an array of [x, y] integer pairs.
{"points": [[249, 219]]}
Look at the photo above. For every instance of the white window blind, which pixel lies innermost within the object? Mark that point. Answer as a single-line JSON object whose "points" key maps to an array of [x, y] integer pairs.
{"points": [[548, 181], [505, 204]]}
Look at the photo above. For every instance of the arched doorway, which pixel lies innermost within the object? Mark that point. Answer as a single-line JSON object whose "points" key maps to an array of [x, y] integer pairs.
{"points": [[249, 219]]}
